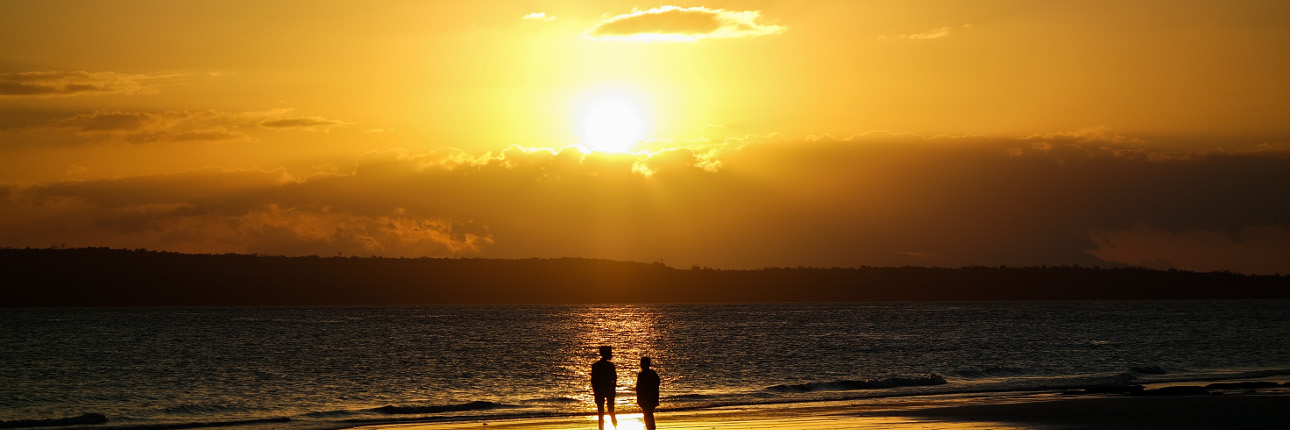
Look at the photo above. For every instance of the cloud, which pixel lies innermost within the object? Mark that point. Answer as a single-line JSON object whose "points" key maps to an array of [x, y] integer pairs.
{"points": [[1098, 134], [538, 16], [871, 199], [312, 123], [138, 127], [677, 24], [73, 83], [153, 127], [158, 213], [935, 33]]}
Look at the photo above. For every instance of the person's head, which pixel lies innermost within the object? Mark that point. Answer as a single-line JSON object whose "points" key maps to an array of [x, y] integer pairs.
{"points": [[606, 352], [644, 362]]}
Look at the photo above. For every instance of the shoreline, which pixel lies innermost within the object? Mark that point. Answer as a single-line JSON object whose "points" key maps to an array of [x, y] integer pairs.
{"points": [[1242, 405], [1246, 410]]}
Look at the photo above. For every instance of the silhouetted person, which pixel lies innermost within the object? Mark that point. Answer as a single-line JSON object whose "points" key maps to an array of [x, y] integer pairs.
{"points": [[604, 381], [647, 392]]}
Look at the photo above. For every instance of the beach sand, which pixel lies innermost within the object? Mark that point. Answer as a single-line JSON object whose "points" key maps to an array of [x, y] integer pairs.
{"points": [[1046, 411]]}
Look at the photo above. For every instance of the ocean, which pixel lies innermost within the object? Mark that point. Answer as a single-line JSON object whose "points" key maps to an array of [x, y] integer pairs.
{"points": [[327, 367]]}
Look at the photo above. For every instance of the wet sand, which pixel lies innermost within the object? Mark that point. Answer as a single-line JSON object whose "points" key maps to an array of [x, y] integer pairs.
{"points": [[1046, 411]]}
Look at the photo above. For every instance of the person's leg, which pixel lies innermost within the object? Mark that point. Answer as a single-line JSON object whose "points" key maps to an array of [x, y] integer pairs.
{"points": [[600, 411], [648, 413], [612, 417]]}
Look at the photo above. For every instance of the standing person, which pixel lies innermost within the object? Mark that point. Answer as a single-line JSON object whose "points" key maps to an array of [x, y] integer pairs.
{"points": [[647, 392], [604, 382]]}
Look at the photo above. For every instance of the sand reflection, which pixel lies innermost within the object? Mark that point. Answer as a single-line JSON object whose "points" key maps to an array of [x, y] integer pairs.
{"points": [[625, 422]]}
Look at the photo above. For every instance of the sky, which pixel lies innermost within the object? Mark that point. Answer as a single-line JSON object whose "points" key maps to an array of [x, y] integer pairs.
{"points": [[720, 134]]}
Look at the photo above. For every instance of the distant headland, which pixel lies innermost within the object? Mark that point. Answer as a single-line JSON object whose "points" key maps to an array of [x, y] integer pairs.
{"points": [[118, 277]]}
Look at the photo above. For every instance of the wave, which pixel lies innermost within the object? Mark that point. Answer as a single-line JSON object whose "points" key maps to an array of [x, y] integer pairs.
{"points": [[549, 400], [1215, 376], [472, 406], [196, 409], [1148, 370], [330, 414], [1250, 374], [988, 372], [1246, 385], [83, 419], [868, 384], [170, 426], [427, 409], [690, 397]]}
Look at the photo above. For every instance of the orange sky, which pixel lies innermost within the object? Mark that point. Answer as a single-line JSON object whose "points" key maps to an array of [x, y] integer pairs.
{"points": [[726, 134]]}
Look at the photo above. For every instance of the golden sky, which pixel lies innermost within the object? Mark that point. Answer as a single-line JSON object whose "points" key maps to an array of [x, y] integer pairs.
{"points": [[724, 134]]}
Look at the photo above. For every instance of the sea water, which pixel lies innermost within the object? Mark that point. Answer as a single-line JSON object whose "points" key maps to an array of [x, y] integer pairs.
{"points": [[317, 367]]}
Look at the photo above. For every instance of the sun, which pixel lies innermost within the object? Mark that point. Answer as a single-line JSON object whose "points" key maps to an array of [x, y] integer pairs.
{"points": [[611, 125], [611, 120]]}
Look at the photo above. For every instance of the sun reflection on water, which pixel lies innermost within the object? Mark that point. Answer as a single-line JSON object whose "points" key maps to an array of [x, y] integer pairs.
{"points": [[634, 332]]}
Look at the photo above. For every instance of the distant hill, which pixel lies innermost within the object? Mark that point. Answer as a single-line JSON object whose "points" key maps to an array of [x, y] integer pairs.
{"points": [[111, 277]]}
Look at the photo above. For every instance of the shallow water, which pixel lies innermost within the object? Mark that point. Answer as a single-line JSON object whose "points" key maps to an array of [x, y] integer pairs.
{"points": [[324, 365]]}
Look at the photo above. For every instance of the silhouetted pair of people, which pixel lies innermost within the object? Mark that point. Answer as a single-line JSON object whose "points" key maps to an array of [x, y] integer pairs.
{"points": [[604, 385]]}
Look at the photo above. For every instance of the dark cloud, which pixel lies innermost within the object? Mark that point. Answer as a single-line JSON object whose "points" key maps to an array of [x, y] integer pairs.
{"points": [[110, 121], [222, 211], [683, 24], [870, 200], [71, 83], [184, 126], [312, 123]]}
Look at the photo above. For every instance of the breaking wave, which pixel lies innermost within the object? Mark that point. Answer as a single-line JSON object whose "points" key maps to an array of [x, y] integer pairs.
{"points": [[868, 384], [472, 406]]}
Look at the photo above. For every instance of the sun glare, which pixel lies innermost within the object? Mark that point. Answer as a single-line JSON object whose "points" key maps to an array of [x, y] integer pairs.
{"points": [[611, 125], [611, 120], [625, 422]]}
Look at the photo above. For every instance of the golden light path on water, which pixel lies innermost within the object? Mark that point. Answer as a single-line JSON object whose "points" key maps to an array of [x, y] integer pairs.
{"points": [[634, 332]]}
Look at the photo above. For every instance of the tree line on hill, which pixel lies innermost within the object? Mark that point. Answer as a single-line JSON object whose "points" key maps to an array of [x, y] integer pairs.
{"points": [[115, 277]]}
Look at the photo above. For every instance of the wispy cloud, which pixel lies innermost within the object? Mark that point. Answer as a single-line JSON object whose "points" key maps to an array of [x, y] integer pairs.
{"points": [[312, 123], [935, 33], [677, 24], [138, 127], [74, 83], [538, 16]]}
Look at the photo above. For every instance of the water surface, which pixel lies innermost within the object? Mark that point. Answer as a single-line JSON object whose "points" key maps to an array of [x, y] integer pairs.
{"points": [[326, 365]]}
